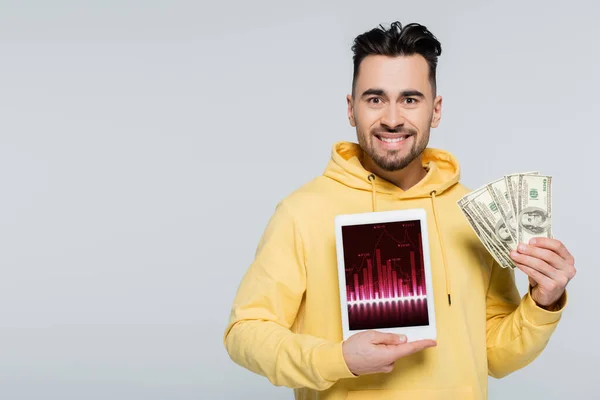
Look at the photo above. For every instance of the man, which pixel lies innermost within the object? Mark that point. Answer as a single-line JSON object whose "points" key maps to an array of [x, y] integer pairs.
{"points": [[285, 323]]}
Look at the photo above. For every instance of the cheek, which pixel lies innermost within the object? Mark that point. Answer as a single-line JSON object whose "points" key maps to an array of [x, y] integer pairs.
{"points": [[366, 118], [421, 119]]}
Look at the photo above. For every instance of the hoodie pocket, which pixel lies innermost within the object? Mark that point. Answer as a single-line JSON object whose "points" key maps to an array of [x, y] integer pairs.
{"points": [[460, 393]]}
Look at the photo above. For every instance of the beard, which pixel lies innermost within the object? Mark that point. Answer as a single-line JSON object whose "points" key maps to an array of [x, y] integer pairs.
{"points": [[392, 160]]}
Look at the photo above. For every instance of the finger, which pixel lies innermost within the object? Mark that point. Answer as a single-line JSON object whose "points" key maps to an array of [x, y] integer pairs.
{"points": [[413, 347], [549, 256], [540, 278], [555, 245], [534, 263]]}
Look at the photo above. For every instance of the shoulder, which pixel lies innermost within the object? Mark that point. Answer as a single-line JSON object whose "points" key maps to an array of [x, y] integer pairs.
{"points": [[312, 207], [311, 197]]}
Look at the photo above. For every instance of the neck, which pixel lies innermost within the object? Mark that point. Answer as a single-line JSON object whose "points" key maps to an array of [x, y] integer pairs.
{"points": [[405, 178]]}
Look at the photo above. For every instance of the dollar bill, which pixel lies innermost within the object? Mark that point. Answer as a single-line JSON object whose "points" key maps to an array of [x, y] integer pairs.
{"points": [[481, 230], [512, 189], [534, 207], [488, 245], [493, 248], [509, 211], [499, 192], [489, 215]]}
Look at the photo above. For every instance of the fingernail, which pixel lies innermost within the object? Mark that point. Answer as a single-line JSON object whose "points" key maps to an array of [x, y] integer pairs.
{"points": [[522, 247], [532, 241], [402, 338], [513, 254]]}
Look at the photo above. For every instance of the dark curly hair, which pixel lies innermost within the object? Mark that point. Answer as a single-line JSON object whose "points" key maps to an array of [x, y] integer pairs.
{"points": [[411, 39]]}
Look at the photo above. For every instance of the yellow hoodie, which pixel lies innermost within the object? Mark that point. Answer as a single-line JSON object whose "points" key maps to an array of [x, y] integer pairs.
{"points": [[285, 322]]}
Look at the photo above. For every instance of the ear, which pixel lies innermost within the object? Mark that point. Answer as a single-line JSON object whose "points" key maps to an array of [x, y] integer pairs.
{"points": [[350, 110], [437, 112]]}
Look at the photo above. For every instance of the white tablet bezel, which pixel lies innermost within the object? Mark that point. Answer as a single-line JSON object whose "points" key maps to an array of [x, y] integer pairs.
{"points": [[412, 332]]}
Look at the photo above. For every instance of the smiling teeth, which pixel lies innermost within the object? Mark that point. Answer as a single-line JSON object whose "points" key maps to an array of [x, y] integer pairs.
{"points": [[394, 140]]}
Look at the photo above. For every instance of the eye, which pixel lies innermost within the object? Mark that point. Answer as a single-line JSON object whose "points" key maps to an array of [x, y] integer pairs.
{"points": [[374, 100], [410, 100]]}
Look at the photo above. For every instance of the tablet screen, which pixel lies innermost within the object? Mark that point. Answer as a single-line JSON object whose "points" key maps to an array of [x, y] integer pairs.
{"points": [[385, 275]]}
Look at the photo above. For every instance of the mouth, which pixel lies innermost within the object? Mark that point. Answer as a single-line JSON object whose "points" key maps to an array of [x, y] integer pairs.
{"points": [[393, 140]]}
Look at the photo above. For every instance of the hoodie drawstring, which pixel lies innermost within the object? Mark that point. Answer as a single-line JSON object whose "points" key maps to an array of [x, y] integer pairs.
{"points": [[437, 226], [371, 179]]}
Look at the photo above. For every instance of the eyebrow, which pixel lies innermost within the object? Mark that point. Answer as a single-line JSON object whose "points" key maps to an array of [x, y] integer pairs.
{"points": [[404, 93]]}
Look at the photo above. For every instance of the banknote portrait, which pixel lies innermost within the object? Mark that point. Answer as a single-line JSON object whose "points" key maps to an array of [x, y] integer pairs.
{"points": [[502, 232], [534, 220]]}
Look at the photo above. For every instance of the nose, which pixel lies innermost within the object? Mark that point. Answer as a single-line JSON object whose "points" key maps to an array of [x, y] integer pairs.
{"points": [[392, 116]]}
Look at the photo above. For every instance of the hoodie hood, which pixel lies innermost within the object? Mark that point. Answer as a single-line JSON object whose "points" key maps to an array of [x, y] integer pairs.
{"points": [[443, 172], [346, 168]]}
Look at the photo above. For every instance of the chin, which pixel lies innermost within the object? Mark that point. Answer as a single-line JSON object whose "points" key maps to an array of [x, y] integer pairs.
{"points": [[391, 165]]}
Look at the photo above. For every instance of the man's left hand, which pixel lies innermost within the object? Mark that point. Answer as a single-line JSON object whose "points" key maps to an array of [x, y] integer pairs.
{"points": [[549, 266]]}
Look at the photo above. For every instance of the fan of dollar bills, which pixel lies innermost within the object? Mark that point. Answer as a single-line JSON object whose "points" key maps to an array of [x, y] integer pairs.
{"points": [[509, 211]]}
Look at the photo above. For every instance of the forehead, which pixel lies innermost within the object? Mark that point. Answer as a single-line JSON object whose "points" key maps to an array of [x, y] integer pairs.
{"points": [[393, 73]]}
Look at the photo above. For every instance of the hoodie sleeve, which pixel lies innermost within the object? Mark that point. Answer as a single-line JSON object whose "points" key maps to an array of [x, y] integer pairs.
{"points": [[517, 328], [258, 336]]}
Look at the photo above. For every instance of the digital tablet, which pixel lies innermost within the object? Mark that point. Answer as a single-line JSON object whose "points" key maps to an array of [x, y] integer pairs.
{"points": [[384, 273]]}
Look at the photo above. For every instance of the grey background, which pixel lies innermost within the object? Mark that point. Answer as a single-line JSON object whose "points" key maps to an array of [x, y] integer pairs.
{"points": [[144, 145]]}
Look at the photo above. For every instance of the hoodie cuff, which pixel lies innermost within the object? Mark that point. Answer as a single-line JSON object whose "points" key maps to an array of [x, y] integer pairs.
{"points": [[537, 315], [330, 363]]}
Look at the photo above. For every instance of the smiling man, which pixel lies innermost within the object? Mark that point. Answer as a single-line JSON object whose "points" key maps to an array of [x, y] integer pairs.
{"points": [[285, 323]]}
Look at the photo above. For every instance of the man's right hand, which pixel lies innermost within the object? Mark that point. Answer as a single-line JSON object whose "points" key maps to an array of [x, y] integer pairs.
{"points": [[371, 352]]}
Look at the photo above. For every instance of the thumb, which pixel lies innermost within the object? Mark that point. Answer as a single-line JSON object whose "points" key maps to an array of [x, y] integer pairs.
{"points": [[388, 338]]}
